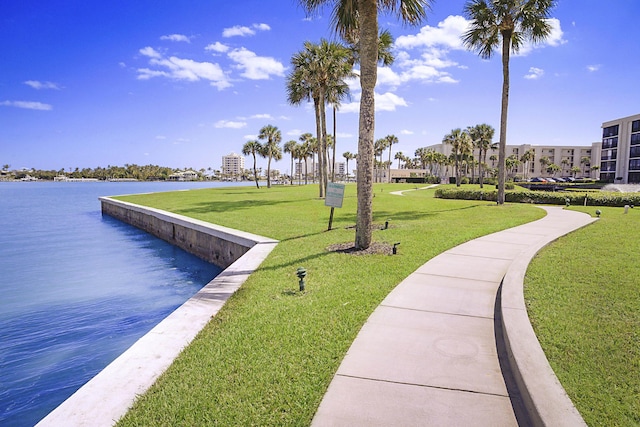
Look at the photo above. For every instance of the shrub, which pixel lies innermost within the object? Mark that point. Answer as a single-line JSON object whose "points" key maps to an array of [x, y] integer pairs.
{"points": [[543, 197]]}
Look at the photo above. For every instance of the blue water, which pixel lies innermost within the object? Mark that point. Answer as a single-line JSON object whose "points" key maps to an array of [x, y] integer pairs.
{"points": [[77, 289]]}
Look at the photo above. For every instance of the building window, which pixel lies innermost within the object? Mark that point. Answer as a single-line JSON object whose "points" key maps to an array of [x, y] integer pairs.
{"points": [[634, 152], [634, 164], [634, 178], [635, 139], [610, 142], [635, 126], [608, 166], [610, 131]]}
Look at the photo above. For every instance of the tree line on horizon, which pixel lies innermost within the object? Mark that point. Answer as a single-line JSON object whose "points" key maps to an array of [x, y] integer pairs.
{"points": [[128, 171]]}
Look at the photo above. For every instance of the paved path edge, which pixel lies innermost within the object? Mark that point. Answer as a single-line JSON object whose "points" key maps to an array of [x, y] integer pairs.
{"points": [[545, 400]]}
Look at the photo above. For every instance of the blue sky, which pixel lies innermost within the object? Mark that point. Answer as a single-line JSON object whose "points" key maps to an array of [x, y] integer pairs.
{"points": [[181, 83]]}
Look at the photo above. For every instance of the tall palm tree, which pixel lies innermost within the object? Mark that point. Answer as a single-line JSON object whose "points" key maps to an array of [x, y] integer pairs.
{"points": [[482, 137], [513, 22], [319, 73], [348, 156], [378, 148], [584, 161], [461, 145], [544, 162], [391, 139], [271, 148], [399, 156], [361, 17], [527, 157], [291, 147], [253, 148], [307, 149]]}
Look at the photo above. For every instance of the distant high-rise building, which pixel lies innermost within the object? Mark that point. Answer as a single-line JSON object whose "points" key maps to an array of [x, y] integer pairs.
{"points": [[232, 165]]}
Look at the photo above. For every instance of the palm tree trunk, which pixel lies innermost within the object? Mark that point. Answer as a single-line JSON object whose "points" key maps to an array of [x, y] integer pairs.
{"points": [[335, 142], [368, 27], [255, 171], [269, 172], [502, 149]]}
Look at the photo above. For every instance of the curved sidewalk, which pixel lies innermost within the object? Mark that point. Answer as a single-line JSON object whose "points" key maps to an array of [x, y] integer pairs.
{"points": [[433, 354]]}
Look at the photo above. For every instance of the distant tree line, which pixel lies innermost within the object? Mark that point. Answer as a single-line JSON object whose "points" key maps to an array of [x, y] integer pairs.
{"points": [[128, 171]]}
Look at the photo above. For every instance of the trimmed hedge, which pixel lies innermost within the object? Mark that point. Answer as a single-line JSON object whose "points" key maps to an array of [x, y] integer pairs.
{"points": [[543, 197]]}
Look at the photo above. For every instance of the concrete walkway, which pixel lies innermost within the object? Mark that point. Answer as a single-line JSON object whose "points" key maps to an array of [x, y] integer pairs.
{"points": [[433, 353]]}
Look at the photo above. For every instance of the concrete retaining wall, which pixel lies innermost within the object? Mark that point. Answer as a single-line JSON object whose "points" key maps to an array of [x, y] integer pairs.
{"points": [[215, 244]]}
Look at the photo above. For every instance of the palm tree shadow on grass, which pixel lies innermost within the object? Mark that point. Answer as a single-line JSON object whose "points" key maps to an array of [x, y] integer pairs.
{"points": [[228, 206]]}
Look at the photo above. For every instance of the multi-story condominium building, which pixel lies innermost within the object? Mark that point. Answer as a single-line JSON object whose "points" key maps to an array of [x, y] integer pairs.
{"points": [[620, 160], [568, 159], [232, 165]]}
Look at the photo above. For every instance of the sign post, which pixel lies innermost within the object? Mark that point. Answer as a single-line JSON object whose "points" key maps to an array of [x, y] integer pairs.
{"points": [[334, 198]]}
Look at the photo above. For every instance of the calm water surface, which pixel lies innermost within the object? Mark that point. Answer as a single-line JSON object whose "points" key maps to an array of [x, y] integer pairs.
{"points": [[77, 289]]}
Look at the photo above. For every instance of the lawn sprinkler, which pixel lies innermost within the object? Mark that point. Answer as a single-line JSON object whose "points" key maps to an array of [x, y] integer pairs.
{"points": [[395, 248], [301, 272], [386, 224], [598, 213]]}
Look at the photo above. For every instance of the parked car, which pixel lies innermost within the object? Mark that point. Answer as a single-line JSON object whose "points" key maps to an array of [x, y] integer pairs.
{"points": [[538, 179]]}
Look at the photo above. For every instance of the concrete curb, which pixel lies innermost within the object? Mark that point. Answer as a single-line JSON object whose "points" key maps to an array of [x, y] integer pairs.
{"points": [[103, 400], [544, 398]]}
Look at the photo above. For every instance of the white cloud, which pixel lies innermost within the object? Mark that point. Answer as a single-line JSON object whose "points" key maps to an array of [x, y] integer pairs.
{"points": [[29, 105], [262, 27], [176, 38], [343, 135], [406, 132], [294, 132], [150, 52], [594, 68], [242, 31], [230, 124], [182, 69], [42, 85], [446, 34], [161, 137], [534, 73], [217, 47], [262, 116], [554, 39], [256, 67]]}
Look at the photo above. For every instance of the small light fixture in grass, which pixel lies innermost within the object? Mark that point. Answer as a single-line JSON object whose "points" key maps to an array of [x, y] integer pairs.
{"points": [[567, 201], [301, 273], [598, 213], [386, 224], [395, 248]]}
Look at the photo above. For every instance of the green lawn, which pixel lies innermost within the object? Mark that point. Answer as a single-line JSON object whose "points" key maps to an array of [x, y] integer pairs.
{"points": [[267, 358], [583, 297]]}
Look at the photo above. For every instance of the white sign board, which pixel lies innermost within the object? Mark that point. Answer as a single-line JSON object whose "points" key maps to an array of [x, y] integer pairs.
{"points": [[335, 194]]}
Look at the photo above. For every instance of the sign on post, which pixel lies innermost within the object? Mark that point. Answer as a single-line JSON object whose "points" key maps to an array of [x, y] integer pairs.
{"points": [[333, 198], [335, 194]]}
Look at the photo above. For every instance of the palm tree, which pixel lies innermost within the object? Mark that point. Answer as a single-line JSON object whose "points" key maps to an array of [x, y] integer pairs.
{"points": [[528, 156], [348, 156], [575, 170], [461, 144], [399, 156], [308, 143], [513, 22], [252, 148], [553, 168], [378, 148], [585, 161], [544, 162], [271, 148], [361, 17], [391, 139], [291, 147], [482, 137], [319, 73]]}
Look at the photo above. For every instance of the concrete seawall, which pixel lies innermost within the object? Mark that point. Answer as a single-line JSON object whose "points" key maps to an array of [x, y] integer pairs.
{"points": [[107, 396], [215, 244]]}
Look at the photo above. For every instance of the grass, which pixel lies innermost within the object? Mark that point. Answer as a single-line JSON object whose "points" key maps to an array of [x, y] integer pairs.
{"points": [[583, 298], [268, 356]]}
